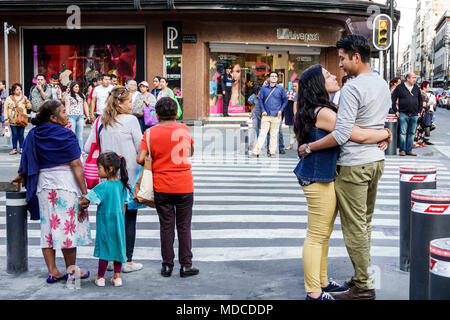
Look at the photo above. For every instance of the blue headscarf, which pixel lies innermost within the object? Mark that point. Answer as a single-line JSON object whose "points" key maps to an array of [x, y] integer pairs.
{"points": [[47, 145]]}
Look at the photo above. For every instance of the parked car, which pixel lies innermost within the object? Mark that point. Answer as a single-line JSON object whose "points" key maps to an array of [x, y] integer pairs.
{"points": [[445, 99], [438, 94]]}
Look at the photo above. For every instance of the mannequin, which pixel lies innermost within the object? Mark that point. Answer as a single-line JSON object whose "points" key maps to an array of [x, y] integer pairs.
{"points": [[65, 75]]}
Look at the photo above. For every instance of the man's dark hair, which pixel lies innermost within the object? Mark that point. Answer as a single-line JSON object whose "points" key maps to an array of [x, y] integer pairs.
{"points": [[270, 73], [54, 76], [106, 75], [166, 109], [355, 43], [40, 75]]}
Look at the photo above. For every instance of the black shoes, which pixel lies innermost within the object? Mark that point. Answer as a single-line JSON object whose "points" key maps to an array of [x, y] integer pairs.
{"points": [[282, 151], [166, 271], [186, 272]]}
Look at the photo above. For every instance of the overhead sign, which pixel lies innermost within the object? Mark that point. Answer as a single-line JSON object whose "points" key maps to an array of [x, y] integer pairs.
{"points": [[382, 32], [287, 34], [172, 37]]}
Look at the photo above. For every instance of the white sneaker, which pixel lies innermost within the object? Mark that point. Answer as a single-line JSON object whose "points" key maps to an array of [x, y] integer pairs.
{"points": [[116, 282], [131, 267], [100, 282], [110, 266]]}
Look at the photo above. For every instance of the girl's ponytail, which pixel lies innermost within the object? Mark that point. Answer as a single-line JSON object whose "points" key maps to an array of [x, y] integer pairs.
{"points": [[124, 173]]}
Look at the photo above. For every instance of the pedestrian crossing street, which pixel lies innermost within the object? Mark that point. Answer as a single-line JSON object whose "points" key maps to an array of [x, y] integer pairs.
{"points": [[251, 210]]}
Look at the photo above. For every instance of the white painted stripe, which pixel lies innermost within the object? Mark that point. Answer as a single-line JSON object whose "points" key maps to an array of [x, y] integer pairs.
{"points": [[152, 217], [211, 234], [264, 180], [259, 186], [214, 168], [222, 254], [16, 202], [278, 173]]}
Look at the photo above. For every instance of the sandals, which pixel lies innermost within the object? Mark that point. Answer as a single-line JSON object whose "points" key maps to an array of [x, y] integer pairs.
{"points": [[14, 151]]}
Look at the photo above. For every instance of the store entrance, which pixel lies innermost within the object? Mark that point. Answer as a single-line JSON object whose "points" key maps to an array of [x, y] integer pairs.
{"points": [[250, 70]]}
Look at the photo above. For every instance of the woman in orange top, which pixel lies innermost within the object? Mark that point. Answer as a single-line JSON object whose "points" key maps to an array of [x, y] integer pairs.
{"points": [[171, 145]]}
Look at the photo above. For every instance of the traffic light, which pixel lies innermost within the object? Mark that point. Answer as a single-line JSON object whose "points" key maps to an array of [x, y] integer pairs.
{"points": [[382, 32]]}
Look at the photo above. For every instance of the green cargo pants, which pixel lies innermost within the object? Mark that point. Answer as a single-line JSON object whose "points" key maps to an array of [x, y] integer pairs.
{"points": [[356, 192]]}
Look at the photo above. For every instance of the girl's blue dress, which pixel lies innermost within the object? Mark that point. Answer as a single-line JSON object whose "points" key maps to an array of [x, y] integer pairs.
{"points": [[110, 196]]}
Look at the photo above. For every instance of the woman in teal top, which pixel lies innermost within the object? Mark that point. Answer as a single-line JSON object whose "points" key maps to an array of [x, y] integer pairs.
{"points": [[111, 197]]}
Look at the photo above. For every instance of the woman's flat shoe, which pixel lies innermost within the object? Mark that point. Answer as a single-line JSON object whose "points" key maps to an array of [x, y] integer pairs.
{"points": [[72, 277], [53, 279], [13, 152]]}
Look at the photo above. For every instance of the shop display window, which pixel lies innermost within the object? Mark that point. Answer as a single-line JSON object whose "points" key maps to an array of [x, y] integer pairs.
{"points": [[249, 71], [82, 63], [172, 72]]}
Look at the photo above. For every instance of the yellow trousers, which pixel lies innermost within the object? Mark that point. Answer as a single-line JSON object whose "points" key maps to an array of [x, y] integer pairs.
{"points": [[322, 211]]}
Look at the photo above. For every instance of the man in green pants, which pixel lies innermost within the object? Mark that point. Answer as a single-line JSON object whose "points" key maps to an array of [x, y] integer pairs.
{"points": [[365, 102]]}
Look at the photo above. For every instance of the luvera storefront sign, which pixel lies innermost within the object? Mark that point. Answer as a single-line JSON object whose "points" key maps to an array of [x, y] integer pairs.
{"points": [[173, 37], [287, 34]]}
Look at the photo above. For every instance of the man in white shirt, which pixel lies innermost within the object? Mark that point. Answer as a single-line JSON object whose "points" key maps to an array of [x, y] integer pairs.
{"points": [[100, 95]]}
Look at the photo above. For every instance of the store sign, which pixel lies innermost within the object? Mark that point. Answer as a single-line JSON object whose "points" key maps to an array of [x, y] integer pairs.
{"points": [[287, 34], [189, 38], [173, 37]]}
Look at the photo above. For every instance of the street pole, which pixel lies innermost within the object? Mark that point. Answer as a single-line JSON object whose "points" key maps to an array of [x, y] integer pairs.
{"points": [[391, 49], [6, 57]]}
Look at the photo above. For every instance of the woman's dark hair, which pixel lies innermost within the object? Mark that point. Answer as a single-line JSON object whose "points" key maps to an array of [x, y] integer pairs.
{"points": [[110, 160], [355, 43], [48, 108], [393, 81], [157, 77], [311, 94], [14, 87], [166, 109], [424, 84], [72, 93], [3, 82]]}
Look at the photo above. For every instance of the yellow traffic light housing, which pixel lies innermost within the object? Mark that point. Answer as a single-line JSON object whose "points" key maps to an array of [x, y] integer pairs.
{"points": [[382, 32]]}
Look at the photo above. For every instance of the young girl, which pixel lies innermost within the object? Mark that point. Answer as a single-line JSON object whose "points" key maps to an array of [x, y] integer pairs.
{"points": [[110, 196]]}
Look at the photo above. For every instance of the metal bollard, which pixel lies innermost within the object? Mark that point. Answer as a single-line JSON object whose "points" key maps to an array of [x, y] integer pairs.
{"points": [[391, 124], [16, 232], [411, 178], [430, 219], [244, 139], [440, 269]]}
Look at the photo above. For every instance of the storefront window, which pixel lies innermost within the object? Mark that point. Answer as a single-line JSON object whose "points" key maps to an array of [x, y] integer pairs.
{"points": [[249, 71], [82, 63], [172, 71]]}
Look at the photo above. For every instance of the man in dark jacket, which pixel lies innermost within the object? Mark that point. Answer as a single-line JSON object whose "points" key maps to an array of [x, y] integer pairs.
{"points": [[409, 104], [227, 83]]}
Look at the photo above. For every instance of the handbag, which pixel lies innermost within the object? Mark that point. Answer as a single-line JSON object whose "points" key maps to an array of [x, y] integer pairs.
{"points": [[427, 120], [150, 116], [22, 118], [90, 167], [143, 190]]}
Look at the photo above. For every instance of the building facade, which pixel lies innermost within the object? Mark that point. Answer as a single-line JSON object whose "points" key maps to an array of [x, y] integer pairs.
{"points": [[186, 42], [442, 50]]}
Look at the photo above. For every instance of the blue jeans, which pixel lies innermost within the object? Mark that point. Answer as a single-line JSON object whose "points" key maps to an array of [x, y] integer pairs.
{"points": [[17, 135], [408, 126], [77, 128]]}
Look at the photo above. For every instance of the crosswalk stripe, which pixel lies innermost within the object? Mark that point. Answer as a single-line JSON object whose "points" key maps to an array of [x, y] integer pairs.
{"points": [[222, 254], [211, 234]]}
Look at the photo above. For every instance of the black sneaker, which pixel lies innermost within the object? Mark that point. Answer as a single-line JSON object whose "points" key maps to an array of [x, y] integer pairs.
{"points": [[166, 271], [349, 283], [323, 296], [335, 287]]}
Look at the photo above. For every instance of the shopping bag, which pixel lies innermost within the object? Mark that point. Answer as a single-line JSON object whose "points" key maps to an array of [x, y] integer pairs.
{"points": [[90, 165], [143, 190]]}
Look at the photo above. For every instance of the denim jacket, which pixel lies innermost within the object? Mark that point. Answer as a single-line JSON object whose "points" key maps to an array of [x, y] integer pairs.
{"points": [[319, 166]]}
